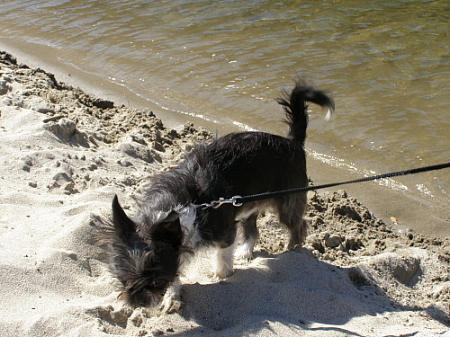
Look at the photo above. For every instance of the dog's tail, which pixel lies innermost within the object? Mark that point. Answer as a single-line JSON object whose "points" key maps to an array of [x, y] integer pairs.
{"points": [[296, 107]]}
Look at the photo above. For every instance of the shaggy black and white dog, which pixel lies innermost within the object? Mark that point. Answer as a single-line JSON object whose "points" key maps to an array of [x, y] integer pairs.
{"points": [[148, 250]]}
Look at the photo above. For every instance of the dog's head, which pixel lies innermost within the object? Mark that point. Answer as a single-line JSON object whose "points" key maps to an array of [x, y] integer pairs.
{"points": [[145, 266]]}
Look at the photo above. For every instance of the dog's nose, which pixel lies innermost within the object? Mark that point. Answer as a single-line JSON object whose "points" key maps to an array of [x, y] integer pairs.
{"points": [[140, 299]]}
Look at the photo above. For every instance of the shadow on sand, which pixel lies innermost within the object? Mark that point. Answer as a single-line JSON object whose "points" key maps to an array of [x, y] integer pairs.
{"points": [[294, 289]]}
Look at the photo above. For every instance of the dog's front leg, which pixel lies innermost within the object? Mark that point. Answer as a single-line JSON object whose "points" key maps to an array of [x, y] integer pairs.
{"points": [[172, 299]]}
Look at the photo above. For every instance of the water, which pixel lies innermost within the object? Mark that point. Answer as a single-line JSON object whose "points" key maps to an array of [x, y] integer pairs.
{"points": [[386, 63]]}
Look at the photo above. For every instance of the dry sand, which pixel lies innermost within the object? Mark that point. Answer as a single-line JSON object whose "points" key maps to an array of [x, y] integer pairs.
{"points": [[64, 155]]}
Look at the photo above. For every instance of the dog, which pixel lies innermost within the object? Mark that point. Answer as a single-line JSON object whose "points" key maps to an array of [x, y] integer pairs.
{"points": [[148, 251]]}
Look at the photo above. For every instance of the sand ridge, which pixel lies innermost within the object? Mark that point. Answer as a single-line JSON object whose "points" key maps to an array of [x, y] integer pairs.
{"points": [[64, 154]]}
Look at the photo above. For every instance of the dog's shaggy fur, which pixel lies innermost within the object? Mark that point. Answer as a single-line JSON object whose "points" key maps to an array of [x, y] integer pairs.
{"points": [[146, 252]]}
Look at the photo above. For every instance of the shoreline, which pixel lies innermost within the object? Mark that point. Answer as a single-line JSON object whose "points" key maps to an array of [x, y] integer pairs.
{"points": [[66, 153], [419, 213]]}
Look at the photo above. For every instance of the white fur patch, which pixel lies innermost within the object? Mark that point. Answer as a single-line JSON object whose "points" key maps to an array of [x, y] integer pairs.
{"points": [[223, 267], [248, 211], [330, 111], [245, 251], [157, 216], [187, 221], [187, 217]]}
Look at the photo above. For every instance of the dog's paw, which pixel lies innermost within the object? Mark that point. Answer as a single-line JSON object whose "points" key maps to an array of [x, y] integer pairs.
{"points": [[222, 269], [222, 273], [243, 253], [223, 263], [171, 304], [171, 301], [294, 247]]}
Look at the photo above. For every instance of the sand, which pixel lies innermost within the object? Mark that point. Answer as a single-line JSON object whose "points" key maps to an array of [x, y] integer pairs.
{"points": [[64, 154]]}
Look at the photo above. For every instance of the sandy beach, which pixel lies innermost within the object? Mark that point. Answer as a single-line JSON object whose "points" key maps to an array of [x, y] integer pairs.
{"points": [[65, 154]]}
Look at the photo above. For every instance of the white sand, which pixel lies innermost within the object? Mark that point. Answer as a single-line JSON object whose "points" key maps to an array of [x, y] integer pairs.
{"points": [[57, 177]]}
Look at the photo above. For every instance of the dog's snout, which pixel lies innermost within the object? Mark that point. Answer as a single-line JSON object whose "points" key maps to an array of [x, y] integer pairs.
{"points": [[140, 299]]}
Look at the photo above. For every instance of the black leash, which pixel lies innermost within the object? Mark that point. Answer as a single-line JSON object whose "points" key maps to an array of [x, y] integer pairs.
{"points": [[237, 200]]}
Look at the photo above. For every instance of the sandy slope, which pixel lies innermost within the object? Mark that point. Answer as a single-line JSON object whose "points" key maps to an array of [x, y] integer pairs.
{"points": [[64, 154]]}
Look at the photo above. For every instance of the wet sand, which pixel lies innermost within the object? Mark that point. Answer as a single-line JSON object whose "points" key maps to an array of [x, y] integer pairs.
{"points": [[425, 215]]}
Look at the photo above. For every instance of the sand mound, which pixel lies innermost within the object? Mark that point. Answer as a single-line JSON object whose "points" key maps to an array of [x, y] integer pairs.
{"points": [[65, 154]]}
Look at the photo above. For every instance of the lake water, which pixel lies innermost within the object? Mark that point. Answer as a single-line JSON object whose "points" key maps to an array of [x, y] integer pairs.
{"points": [[386, 64]]}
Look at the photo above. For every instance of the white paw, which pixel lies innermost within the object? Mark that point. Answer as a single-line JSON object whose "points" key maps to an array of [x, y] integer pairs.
{"points": [[170, 304], [221, 274], [223, 266], [245, 251], [171, 301]]}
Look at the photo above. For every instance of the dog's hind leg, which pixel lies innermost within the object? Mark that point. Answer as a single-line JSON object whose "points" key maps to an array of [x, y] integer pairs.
{"points": [[290, 212], [297, 234], [250, 236]]}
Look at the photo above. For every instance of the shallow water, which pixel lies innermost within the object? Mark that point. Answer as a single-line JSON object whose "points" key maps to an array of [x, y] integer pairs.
{"points": [[386, 63]]}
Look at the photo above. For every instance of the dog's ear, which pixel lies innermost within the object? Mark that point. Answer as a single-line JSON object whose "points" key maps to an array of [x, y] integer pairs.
{"points": [[123, 225], [169, 230]]}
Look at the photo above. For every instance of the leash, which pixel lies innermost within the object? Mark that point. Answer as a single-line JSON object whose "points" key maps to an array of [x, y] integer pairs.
{"points": [[238, 200]]}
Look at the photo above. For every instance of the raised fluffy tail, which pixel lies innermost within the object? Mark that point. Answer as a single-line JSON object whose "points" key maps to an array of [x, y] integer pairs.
{"points": [[296, 107]]}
